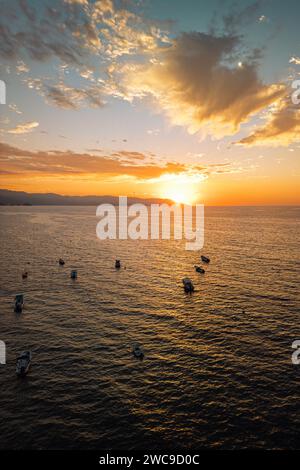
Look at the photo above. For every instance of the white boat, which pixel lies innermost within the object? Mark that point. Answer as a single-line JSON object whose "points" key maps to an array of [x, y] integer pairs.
{"points": [[137, 351], [23, 363], [188, 285]]}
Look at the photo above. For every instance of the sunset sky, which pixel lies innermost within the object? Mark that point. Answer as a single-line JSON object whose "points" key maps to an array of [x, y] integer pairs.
{"points": [[188, 100]]}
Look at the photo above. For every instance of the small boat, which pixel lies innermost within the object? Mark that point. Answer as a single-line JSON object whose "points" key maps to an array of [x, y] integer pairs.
{"points": [[199, 269], [205, 259], [25, 275], [188, 285], [61, 262], [19, 303], [118, 264], [23, 363], [73, 274], [137, 351]]}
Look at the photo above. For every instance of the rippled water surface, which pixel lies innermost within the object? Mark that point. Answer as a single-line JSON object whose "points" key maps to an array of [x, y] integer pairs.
{"points": [[217, 371]]}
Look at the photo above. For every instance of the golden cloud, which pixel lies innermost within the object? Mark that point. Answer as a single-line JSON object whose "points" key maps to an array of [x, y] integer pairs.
{"points": [[295, 60], [195, 86], [16, 161], [282, 127]]}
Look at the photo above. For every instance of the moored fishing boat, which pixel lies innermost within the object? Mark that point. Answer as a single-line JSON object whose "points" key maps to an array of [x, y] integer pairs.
{"points": [[23, 363], [199, 269], [188, 285], [138, 351], [19, 303]]}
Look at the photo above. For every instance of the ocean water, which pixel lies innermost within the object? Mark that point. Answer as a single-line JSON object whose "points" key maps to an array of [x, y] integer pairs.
{"points": [[217, 371]]}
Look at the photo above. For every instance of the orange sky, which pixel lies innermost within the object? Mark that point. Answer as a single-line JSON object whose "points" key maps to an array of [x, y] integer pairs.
{"points": [[215, 190]]}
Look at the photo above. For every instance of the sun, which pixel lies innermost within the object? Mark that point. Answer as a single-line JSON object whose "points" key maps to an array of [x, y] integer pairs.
{"points": [[180, 194], [180, 188]]}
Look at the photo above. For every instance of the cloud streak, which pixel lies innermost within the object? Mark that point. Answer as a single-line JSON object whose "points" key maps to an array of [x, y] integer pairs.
{"points": [[23, 128], [123, 163], [281, 127]]}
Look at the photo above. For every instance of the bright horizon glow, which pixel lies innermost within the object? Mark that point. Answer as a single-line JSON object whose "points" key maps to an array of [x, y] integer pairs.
{"points": [[182, 189], [181, 194]]}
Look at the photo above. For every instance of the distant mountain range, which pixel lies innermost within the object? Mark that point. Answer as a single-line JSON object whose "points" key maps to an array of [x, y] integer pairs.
{"points": [[20, 198]]}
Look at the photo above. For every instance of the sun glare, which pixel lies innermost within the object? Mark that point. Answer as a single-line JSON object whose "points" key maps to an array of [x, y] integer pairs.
{"points": [[180, 193]]}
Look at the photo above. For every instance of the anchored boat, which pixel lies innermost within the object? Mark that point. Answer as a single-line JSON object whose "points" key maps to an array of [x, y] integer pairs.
{"points": [[137, 351], [19, 303], [205, 259], [199, 269], [118, 264], [188, 285], [23, 363], [73, 274]]}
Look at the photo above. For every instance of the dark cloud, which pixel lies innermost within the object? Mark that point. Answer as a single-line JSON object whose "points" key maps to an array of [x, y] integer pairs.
{"points": [[27, 10], [68, 97], [37, 35], [74, 31], [240, 15]]}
